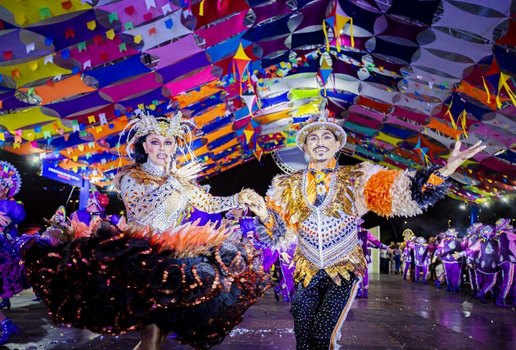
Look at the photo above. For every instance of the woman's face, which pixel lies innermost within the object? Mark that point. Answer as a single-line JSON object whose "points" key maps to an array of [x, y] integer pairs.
{"points": [[160, 149], [4, 191]]}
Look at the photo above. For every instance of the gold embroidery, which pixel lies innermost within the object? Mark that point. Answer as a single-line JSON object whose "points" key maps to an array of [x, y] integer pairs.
{"points": [[286, 198], [354, 262]]}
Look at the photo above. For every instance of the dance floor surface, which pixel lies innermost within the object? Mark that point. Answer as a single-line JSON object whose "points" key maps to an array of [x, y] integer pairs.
{"points": [[397, 315]]}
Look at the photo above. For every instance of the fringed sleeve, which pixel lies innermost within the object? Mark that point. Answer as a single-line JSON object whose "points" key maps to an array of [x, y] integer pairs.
{"points": [[211, 204], [276, 232], [391, 193]]}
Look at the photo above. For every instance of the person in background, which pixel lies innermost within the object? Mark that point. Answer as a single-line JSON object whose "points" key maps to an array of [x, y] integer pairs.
{"points": [[367, 240], [407, 254], [95, 208], [507, 261], [12, 214], [421, 258], [277, 263], [397, 258]]}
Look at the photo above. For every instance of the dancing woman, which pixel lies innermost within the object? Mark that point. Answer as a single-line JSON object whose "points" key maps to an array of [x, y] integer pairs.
{"points": [[158, 274], [11, 271]]}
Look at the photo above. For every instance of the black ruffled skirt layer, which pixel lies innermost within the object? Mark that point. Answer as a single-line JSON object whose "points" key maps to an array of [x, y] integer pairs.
{"points": [[113, 282]]}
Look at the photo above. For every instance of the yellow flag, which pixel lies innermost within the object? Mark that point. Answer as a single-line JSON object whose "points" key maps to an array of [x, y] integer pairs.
{"points": [[91, 25], [110, 34]]}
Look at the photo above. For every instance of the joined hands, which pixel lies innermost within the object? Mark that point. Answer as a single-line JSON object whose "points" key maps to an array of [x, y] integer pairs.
{"points": [[254, 202]]}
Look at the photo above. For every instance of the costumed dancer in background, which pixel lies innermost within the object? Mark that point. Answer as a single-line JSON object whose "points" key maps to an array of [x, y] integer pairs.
{"points": [[406, 256], [438, 273], [450, 244], [156, 275], [95, 208], [507, 260], [321, 205], [486, 260], [421, 257], [366, 240], [278, 263], [11, 269], [472, 236]]}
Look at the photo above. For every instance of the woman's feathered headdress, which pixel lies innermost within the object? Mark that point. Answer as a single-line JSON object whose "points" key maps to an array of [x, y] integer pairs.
{"points": [[144, 124]]}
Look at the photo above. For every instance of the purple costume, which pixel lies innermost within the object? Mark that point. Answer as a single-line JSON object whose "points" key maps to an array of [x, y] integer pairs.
{"points": [[486, 260], [421, 257], [507, 260], [450, 244], [95, 207], [281, 260], [203, 217], [468, 242], [11, 272], [367, 240], [407, 260]]}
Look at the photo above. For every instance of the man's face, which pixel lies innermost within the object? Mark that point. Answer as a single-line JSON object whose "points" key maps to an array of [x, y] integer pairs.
{"points": [[321, 145]]}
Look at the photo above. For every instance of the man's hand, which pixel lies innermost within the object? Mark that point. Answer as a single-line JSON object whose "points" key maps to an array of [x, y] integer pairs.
{"points": [[457, 157]]}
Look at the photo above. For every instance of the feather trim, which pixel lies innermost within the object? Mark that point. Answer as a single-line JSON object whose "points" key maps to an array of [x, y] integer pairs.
{"points": [[377, 192], [187, 240], [426, 196], [402, 202], [277, 235], [364, 172]]}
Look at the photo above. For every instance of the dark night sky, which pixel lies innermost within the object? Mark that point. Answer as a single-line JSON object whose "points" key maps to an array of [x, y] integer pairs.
{"points": [[42, 196]]}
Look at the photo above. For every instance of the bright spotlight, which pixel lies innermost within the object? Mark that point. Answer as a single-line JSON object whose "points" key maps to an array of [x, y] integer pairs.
{"points": [[462, 206]]}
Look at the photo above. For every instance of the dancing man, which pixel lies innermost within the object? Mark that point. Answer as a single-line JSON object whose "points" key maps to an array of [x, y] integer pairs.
{"points": [[406, 256], [453, 267], [486, 252], [421, 257], [507, 260], [321, 206], [472, 236]]}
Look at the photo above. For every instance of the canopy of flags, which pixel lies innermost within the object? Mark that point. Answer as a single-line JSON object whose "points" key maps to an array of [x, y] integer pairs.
{"points": [[406, 78]]}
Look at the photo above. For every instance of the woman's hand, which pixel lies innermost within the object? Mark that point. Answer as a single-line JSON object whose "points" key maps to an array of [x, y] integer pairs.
{"points": [[4, 219], [457, 157], [190, 171]]}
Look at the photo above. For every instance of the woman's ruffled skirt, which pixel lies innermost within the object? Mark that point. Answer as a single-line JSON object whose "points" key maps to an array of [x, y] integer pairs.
{"points": [[11, 270], [114, 282]]}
